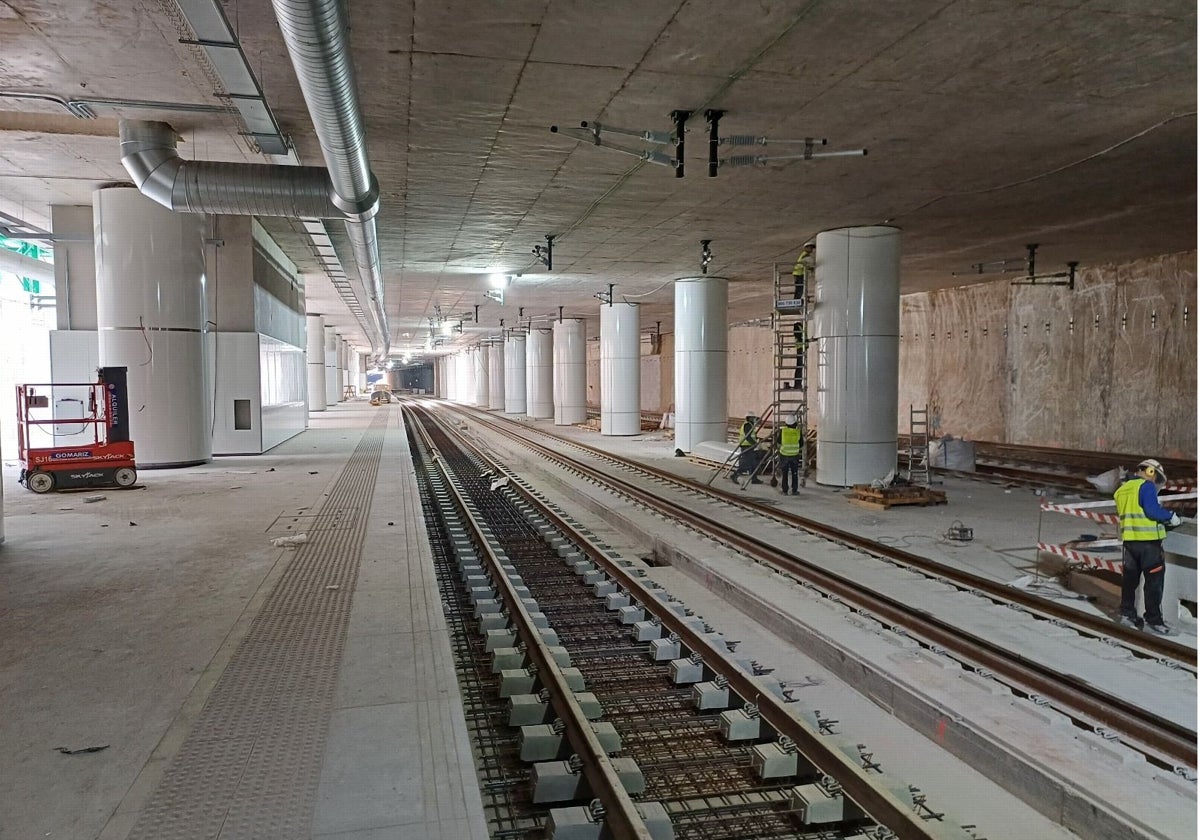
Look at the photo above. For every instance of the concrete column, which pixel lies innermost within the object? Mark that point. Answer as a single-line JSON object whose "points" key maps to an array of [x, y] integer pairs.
{"points": [[856, 320], [570, 372], [314, 331], [701, 356], [496, 376], [514, 374], [150, 317], [539, 374], [620, 369], [482, 373], [331, 366], [74, 266]]}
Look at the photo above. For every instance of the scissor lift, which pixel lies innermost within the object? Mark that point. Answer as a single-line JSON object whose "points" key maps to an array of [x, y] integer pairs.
{"points": [[106, 460]]}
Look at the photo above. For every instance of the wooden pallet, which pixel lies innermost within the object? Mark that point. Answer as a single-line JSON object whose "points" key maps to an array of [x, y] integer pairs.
{"points": [[882, 498]]}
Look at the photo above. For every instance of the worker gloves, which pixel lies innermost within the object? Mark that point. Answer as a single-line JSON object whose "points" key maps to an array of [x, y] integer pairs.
{"points": [[1175, 521]]}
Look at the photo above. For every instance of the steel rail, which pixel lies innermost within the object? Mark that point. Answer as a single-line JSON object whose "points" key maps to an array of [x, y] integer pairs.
{"points": [[1090, 625], [1078, 699], [856, 781], [620, 813]]}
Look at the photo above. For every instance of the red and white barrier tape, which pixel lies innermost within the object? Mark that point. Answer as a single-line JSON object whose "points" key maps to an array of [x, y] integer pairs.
{"points": [[1079, 557]]}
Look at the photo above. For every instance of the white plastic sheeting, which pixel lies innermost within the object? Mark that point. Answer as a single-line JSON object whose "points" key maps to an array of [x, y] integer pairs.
{"points": [[701, 359], [856, 320], [620, 369]]}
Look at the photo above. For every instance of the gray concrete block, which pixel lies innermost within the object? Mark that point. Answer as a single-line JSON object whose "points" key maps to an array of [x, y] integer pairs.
{"points": [[527, 710], [507, 659], [516, 681], [573, 823], [686, 672], [554, 781]]}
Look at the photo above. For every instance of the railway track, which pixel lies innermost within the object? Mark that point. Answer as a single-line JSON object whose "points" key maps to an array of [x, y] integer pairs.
{"points": [[1164, 741], [585, 683]]}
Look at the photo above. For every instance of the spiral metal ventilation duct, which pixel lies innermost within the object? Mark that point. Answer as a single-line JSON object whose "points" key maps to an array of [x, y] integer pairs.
{"points": [[315, 34], [243, 189]]}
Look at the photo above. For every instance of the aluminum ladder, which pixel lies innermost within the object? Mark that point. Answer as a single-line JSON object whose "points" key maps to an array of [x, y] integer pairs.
{"points": [[790, 325]]}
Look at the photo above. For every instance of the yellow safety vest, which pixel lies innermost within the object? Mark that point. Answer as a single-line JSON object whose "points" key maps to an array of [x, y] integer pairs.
{"points": [[746, 439], [789, 441], [800, 269], [1135, 525]]}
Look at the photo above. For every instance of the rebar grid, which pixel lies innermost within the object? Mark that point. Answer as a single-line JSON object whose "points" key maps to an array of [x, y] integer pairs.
{"points": [[709, 783]]}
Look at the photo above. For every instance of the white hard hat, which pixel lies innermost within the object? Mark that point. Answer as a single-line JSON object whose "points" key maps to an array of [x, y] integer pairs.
{"points": [[792, 420], [1154, 470]]}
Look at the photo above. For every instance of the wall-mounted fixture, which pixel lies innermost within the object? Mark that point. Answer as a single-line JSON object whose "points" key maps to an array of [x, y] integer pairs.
{"points": [[1032, 278]]}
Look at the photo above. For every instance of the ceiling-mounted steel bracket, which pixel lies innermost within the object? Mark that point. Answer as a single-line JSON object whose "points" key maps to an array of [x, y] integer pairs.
{"points": [[603, 297], [706, 255], [679, 117], [713, 116], [546, 255]]}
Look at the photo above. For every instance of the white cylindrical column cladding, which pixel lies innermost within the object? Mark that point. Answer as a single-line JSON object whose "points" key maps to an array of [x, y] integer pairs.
{"points": [[514, 374], [347, 376], [496, 376], [620, 369], [150, 317], [570, 372], [539, 374], [479, 358], [701, 356], [356, 374], [314, 332], [856, 319], [331, 366], [465, 379]]}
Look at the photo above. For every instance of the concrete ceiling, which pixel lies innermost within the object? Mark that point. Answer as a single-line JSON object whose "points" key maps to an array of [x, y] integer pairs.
{"points": [[990, 124]]}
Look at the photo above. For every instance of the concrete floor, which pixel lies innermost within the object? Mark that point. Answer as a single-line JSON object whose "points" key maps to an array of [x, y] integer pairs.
{"points": [[115, 634], [120, 616]]}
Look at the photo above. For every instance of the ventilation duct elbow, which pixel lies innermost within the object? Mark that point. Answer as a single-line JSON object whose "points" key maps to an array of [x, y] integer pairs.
{"points": [[149, 155]]}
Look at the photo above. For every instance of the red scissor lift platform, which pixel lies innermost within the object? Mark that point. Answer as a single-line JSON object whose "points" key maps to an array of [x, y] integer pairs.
{"points": [[106, 460]]}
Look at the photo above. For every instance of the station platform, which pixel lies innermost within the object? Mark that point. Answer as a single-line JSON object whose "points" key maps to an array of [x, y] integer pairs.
{"points": [[229, 688]]}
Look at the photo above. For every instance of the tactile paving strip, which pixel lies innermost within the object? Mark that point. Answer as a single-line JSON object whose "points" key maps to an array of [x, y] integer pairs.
{"points": [[249, 768]]}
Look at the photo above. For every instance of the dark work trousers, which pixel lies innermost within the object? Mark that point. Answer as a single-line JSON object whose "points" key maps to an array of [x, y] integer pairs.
{"points": [[790, 466], [1143, 558], [747, 461]]}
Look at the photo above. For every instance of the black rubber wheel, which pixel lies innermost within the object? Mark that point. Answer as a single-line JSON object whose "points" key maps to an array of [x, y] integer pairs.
{"points": [[40, 482], [125, 477]]}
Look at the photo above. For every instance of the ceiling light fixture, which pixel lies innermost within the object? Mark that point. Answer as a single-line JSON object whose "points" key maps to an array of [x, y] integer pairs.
{"points": [[499, 281]]}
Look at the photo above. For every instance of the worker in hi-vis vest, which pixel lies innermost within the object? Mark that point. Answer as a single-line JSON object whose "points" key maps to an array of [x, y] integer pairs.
{"points": [[748, 455], [789, 454], [1144, 524]]}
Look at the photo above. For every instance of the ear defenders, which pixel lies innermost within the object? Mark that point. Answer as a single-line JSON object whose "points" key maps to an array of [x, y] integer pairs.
{"points": [[1153, 471]]}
